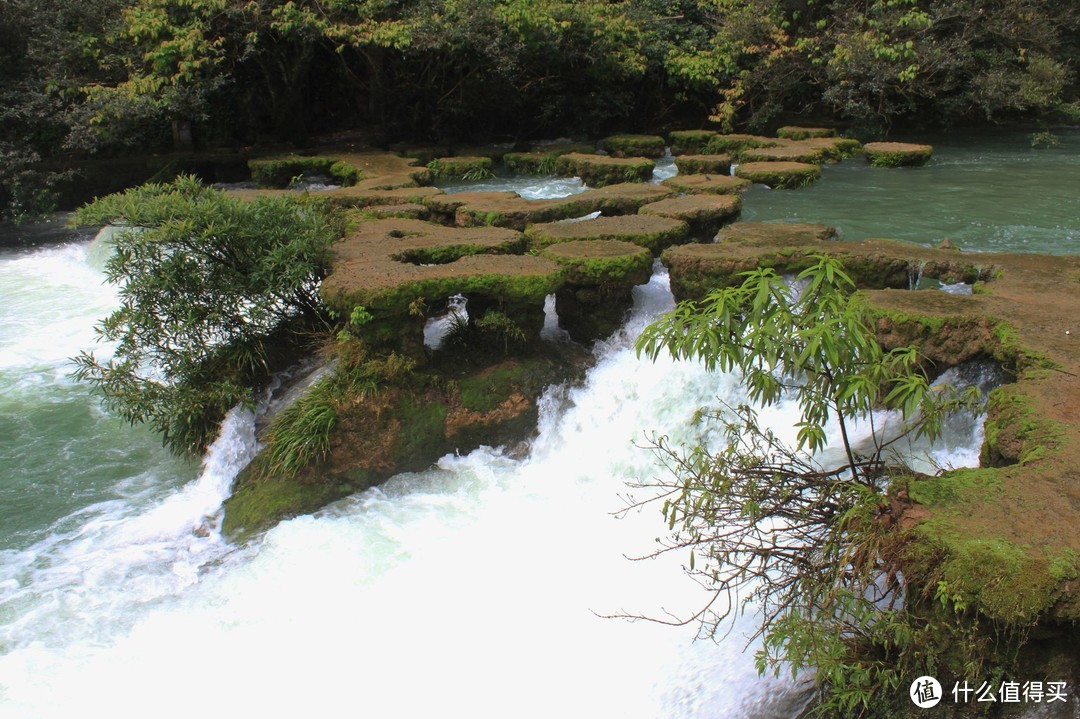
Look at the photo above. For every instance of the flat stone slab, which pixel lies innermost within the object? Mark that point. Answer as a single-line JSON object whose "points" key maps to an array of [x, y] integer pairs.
{"points": [[651, 232], [897, 154], [698, 211], [789, 151], [1003, 535], [602, 262], [704, 164], [634, 145], [795, 132], [689, 142], [601, 170], [707, 183], [508, 209], [385, 265], [782, 175]]}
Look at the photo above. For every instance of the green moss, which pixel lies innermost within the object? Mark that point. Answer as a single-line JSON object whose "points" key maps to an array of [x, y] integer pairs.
{"points": [[280, 171], [782, 175], [422, 428], [485, 391], [531, 163], [703, 164], [461, 168], [1016, 431], [791, 132], [255, 506], [897, 154], [600, 171], [633, 145], [959, 485], [689, 142], [719, 144], [602, 262]]}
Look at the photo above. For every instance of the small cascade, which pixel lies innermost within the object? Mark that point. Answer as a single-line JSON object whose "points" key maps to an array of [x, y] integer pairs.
{"points": [[915, 270]]}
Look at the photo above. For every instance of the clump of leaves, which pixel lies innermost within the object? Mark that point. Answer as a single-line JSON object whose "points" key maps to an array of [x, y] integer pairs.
{"points": [[211, 287], [1043, 140], [789, 528]]}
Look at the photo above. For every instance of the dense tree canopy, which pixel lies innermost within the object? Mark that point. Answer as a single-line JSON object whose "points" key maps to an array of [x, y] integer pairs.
{"points": [[102, 75]]}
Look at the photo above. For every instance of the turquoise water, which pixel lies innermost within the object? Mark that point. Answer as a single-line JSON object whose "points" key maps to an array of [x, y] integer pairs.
{"points": [[988, 192], [479, 580]]}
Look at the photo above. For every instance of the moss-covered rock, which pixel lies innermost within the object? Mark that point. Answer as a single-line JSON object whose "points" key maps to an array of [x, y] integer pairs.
{"points": [[793, 132], [897, 154], [536, 162], [689, 142], [507, 209], [782, 175], [601, 170], [703, 164], [466, 167], [633, 145], [651, 232], [601, 262], [707, 183], [404, 425], [735, 143], [705, 214], [391, 267], [279, 172], [790, 151]]}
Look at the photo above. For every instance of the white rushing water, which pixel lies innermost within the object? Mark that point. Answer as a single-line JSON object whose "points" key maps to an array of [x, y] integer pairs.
{"points": [[473, 589]]}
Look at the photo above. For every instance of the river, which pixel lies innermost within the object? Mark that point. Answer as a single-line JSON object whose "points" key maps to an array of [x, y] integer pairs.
{"points": [[473, 589]]}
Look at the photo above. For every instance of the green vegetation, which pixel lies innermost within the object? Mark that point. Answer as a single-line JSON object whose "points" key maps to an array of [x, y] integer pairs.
{"points": [[461, 168], [110, 76], [896, 154], [826, 579], [633, 145], [689, 142], [281, 171], [784, 175], [600, 170], [212, 291]]}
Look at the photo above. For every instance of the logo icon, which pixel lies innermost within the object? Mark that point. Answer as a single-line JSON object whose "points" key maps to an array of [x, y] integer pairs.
{"points": [[925, 692]]}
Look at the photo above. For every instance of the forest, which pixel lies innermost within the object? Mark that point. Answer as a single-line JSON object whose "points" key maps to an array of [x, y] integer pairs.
{"points": [[108, 78]]}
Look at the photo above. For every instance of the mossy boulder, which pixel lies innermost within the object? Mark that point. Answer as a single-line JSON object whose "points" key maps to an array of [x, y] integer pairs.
{"points": [[834, 149], [793, 132], [405, 425], [601, 170], [689, 142], [780, 175], [707, 183], [601, 262], [651, 232], [897, 154], [703, 164], [705, 214], [633, 145], [466, 167], [735, 143], [279, 172]]}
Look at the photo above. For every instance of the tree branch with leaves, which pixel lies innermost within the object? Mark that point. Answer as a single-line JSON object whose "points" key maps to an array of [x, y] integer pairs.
{"points": [[791, 528]]}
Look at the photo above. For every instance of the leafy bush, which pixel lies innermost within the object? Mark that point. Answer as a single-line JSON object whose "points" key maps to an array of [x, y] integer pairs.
{"points": [[212, 290]]}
